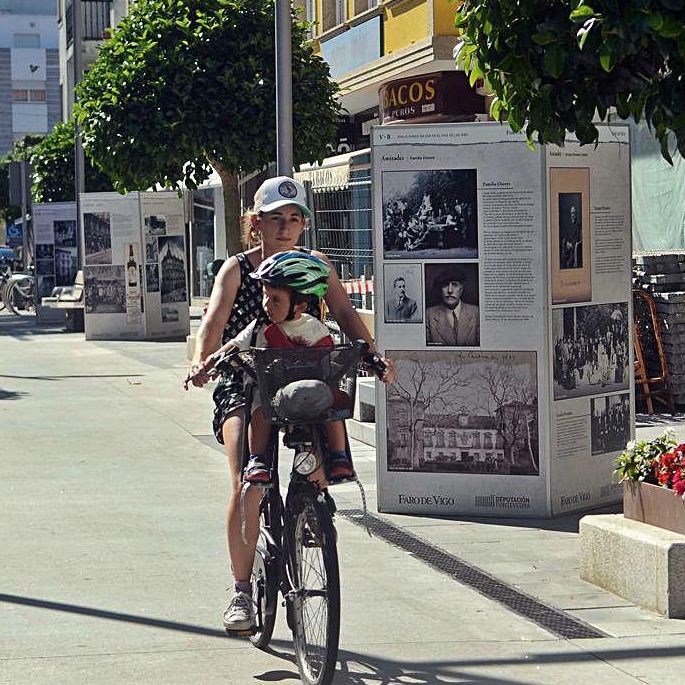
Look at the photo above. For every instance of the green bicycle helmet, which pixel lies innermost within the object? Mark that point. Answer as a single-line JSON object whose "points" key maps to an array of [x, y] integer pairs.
{"points": [[302, 272]]}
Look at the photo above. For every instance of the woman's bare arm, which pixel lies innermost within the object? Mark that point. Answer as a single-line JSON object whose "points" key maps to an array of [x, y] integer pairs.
{"points": [[214, 321], [346, 315], [342, 310]]}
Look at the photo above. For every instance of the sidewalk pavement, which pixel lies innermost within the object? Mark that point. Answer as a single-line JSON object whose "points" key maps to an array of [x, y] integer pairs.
{"points": [[114, 565]]}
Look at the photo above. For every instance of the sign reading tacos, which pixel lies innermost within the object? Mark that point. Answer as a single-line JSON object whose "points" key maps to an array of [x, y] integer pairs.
{"points": [[437, 96]]}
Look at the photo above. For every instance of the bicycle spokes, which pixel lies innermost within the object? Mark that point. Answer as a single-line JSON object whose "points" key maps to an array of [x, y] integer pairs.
{"points": [[315, 597]]}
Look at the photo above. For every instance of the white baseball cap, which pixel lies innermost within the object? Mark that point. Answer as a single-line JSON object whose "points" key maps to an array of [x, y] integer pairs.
{"points": [[278, 192]]}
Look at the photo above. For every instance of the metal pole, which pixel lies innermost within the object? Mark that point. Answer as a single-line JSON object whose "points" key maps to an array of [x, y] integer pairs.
{"points": [[24, 221], [284, 89], [79, 163]]}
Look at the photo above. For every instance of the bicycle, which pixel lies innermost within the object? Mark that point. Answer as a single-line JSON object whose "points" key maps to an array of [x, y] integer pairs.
{"points": [[297, 547], [18, 293]]}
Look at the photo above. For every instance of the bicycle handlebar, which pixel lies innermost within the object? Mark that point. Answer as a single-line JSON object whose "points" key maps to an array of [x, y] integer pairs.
{"points": [[370, 361]]}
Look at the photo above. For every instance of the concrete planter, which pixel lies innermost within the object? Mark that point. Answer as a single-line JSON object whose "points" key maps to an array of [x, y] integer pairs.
{"points": [[654, 505]]}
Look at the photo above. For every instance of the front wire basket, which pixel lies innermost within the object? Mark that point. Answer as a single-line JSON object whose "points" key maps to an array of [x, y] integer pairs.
{"points": [[281, 368]]}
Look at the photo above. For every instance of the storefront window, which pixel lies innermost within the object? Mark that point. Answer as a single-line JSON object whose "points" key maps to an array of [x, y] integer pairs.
{"points": [[202, 241]]}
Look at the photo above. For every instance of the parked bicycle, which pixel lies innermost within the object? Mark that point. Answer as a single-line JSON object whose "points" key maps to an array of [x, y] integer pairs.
{"points": [[301, 389], [18, 293]]}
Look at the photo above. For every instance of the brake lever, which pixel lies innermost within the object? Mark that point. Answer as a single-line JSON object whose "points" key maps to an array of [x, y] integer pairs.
{"points": [[374, 362]]}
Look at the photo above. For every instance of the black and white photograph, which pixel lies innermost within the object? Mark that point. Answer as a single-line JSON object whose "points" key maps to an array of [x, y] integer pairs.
{"points": [[97, 235], [452, 305], [151, 249], [570, 237], [169, 313], [105, 289], [590, 350], [66, 265], [152, 278], [45, 251], [172, 281], [430, 214], [45, 267], [155, 225], [403, 293], [65, 233], [46, 285], [469, 412], [570, 230], [610, 423]]}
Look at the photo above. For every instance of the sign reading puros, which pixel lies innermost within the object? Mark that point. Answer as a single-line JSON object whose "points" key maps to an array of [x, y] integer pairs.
{"points": [[440, 96]]}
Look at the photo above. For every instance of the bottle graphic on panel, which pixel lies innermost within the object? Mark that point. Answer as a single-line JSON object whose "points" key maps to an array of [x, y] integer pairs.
{"points": [[131, 269]]}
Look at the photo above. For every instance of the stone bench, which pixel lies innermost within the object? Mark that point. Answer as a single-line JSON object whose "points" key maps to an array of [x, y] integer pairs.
{"points": [[637, 561], [71, 300]]}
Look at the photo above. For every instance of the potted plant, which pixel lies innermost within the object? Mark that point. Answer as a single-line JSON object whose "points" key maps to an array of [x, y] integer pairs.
{"points": [[653, 476]]}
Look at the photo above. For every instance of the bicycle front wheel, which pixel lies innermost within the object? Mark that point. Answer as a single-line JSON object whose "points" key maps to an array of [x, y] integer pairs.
{"points": [[315, 598], [266, 569]]}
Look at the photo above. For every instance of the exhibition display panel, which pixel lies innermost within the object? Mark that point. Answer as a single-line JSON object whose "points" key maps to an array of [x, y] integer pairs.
{"points": [[56, 252], [503, 294], [134, 266]]}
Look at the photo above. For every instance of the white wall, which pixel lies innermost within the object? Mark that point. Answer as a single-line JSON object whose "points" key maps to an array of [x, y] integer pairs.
{"points": [[46, 27]]}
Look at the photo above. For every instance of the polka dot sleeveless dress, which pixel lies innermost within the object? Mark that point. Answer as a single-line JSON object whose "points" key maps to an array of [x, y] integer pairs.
{"points": [[229, 394]]}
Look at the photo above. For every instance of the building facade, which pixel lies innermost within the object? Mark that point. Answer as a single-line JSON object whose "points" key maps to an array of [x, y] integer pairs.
{"points": [[29, 70], [96, 20], [393, 61]]}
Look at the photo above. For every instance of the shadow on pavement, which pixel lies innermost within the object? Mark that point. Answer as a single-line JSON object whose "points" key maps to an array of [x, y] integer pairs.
{"points": [[112, 615], [645, 420], [11, 395], [88, 375], [357, 669], [27, 325]]}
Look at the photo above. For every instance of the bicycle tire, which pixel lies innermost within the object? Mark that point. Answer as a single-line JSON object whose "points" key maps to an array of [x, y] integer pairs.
{"points": [[315, 598], [265, 570], [20, 296]]}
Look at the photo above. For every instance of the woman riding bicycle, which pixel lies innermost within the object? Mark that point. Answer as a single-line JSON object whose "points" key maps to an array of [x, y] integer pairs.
{"points": [[280, 213]]}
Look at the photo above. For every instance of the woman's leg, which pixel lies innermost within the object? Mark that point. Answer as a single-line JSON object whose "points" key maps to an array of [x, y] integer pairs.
{"points": [[241, 554]]}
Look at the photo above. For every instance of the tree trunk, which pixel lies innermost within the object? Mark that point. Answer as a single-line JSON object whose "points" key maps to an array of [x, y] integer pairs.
{"points": [[229, 183]]}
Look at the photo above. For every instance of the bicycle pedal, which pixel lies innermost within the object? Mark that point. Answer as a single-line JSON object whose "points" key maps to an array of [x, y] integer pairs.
{"points": [[263, 486], [241, 633]]}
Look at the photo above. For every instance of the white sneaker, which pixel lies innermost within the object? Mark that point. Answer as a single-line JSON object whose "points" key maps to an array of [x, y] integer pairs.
{"points": [[240, 613]]}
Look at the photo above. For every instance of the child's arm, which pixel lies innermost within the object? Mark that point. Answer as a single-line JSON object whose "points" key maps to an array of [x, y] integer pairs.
{"points": [[240, 342]]}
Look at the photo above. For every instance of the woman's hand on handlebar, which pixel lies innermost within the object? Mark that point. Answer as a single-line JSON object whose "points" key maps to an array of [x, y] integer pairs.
{"points": [[199, 373], [389, 375], [382, 367]]}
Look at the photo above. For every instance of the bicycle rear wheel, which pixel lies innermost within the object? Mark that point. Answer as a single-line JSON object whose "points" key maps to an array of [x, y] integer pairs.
{"points": [[265, 569], [315, 599]]}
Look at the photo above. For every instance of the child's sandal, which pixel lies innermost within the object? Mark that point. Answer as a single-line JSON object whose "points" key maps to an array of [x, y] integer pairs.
{"points": [[258, 472], [340, 470]]}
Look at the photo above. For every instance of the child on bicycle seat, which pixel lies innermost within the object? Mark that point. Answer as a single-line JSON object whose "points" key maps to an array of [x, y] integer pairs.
{"points": [[289, 280]]}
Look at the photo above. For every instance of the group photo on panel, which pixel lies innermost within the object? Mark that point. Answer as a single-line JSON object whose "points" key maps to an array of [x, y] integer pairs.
{"points": [[430, 214], [590, 349]]}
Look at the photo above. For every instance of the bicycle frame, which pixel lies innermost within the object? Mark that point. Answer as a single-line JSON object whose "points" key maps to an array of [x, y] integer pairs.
{"points": [[297, 536]]}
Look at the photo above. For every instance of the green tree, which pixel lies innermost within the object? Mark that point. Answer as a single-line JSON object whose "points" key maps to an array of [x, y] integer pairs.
{"points": [[184, 85], [52, 163], [553, 64], [52, 169]]}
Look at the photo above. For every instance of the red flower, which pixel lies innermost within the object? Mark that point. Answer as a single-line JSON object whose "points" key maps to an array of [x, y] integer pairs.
{"points": [[669, 469]]}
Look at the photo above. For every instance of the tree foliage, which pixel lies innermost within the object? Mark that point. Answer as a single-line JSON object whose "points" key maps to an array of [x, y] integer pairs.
{"points": [[553, 64], [184, 83], [52, 169], [52, 162]]}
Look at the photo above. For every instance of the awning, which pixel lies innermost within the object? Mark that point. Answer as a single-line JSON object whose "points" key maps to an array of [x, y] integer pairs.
{"points": [[333, 173]]}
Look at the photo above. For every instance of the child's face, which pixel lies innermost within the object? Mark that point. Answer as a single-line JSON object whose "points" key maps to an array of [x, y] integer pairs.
{"points": [[276, 302]]}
